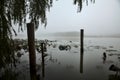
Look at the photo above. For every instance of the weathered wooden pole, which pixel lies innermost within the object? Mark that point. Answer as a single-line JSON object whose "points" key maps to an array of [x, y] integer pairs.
{"points": [[31, 45], [81, 49], [43, 62], [82, 41]]}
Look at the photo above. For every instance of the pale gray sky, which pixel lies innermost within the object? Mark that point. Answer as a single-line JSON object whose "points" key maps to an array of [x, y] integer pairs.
{"points": [[103, 17]]}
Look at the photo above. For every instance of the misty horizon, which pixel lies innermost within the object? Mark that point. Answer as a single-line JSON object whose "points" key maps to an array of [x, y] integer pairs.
{"points": [[67, 34]]}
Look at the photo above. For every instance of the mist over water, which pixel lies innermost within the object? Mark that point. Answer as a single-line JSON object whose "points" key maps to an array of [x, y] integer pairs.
{"points": [[65, 64], [100, 22]]}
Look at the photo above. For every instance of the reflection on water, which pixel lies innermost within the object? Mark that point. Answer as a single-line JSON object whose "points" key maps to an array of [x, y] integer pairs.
{"points": [[99, 55], [81, 62]]}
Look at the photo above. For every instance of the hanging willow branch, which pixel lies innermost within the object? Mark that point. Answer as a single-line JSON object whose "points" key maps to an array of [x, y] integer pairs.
{"points": [[15, 12], [80, 3]]}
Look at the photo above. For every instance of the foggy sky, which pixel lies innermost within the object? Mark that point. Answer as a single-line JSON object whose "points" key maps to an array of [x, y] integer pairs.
{"points": [[100, 18]]}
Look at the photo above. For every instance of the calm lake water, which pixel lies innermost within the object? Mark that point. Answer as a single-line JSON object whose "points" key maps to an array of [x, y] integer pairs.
{"points": [[65, 64]]}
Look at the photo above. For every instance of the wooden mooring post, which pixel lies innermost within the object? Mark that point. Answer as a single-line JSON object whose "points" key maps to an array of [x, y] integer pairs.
{"points": [[31, 45], [43, 62], [81, 49]]}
